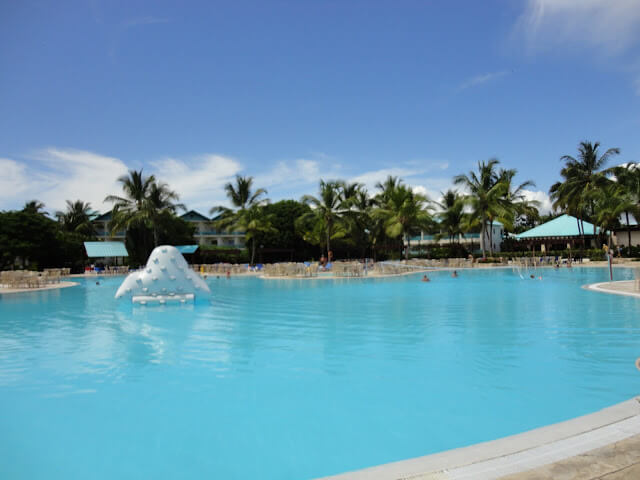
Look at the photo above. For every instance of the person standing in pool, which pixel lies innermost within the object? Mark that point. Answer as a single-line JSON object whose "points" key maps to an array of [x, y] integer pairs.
{"points": [[425, 279]]}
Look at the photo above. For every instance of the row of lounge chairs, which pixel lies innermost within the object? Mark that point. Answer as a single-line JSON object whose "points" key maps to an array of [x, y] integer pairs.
{"points": [[440, 263], [291, 269], [349, 269], [221, 268], [31, 279]]}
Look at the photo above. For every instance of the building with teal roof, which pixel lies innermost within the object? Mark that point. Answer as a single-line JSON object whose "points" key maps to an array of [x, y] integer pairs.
{"points": [[564, 230], [204, 233]]}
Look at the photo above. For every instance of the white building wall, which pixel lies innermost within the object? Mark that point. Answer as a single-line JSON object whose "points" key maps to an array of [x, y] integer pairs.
{"points": [[496, 238], [621, 237]]}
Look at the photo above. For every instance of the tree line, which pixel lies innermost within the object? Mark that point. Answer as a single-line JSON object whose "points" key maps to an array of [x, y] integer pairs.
{"points": [[343, 216]]}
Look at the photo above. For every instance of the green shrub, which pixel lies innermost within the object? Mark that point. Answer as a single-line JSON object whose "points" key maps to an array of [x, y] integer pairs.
{"points": [[219, 254]]}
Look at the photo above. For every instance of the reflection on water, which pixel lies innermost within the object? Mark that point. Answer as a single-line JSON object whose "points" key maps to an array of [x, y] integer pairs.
{"points": [[306, 378]]}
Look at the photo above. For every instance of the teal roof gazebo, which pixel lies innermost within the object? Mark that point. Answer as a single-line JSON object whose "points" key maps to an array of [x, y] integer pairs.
{"points": [[187, 248], [105, 249], [562, 227]]}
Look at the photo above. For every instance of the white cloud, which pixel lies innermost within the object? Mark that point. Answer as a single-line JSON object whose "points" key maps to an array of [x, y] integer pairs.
{"points": [[431, 194], [609, 25], [13, 181], [416, 178], [540, 196], [54, 175], [199, 182], [484, 78], [298, 171], [77, 174], [369, 179]]}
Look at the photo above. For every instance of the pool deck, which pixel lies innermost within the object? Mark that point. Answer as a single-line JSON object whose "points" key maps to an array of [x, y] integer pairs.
{"points": [[601, 445], [624, 287], [53, 286]]}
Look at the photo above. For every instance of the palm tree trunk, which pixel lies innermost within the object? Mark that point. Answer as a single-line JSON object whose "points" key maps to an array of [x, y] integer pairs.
{"points": [[253, 250], [482, 234], [628, 230], [329, 228], [406, 253], [155, 235], [491, 238]]}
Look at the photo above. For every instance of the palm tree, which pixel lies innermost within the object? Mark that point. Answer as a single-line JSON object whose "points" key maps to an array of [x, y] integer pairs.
{"points": [[161, 201], [405, 212], [33, 206], [583, 179], [628, 176], [78, 218], [254, 221], [327, 208], [241, 195], [386, 187], [514, 201], [483, 197], [612, 202], [243, 199], [452, 215], [143, 203], [358, 215]]}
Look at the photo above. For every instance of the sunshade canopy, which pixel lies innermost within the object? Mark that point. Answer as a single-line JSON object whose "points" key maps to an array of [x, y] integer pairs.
{"points": [[187, 248], [105, 249], [562, 226]]}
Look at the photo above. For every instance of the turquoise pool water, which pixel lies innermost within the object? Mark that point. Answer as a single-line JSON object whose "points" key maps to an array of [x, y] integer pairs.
{"points": [[298, 379]]}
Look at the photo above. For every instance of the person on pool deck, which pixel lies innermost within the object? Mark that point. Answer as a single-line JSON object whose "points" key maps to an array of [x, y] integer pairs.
{"points": [[425, 279]]}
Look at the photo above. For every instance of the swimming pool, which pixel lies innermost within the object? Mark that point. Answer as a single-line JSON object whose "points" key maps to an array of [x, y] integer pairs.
{"points": [[302, 378]]}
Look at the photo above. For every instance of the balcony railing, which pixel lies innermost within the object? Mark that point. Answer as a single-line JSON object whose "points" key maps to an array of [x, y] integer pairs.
{"points": [[216, 232]]}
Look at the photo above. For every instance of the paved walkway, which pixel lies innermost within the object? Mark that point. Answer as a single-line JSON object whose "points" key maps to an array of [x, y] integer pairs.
{"points": [[618, 461]]}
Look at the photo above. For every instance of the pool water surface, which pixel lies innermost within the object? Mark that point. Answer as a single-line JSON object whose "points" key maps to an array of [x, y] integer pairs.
{"points": [[296, 379]]}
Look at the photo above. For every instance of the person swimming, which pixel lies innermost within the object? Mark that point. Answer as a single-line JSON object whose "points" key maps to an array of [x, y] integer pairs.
{"points": [[454, 274], [425, 279]]}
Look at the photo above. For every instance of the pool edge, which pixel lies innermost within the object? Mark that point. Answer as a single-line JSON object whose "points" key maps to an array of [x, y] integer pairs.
{"points": [[516, 453]]}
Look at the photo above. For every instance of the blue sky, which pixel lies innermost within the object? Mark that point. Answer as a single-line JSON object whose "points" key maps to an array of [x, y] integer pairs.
{"points": [[291, 91]]}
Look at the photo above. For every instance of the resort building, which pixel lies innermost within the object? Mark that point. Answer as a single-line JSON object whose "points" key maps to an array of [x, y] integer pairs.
{"points": [[471, 240], [624, 235], [102, 228], [560, 233], [204, 233]]}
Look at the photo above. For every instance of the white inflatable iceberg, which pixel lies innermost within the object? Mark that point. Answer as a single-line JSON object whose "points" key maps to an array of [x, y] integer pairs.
{"points": [[166, 278]]}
